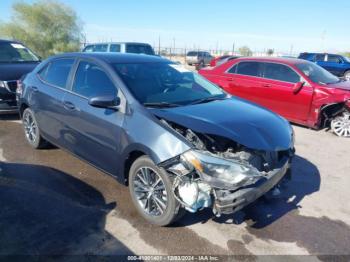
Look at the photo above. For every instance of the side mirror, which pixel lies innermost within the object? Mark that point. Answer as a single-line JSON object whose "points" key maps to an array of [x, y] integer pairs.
{"points": [[111, 102], [297, 87]]}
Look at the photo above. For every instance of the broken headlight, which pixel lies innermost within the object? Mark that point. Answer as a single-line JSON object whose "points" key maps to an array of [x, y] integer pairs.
{"points": [[218, 172]]}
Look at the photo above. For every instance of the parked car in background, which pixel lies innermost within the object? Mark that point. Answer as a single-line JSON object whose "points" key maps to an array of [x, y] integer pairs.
{"points": [[174, 138], [336, 64], [299, 90], [121, 47], [16, 60], [221, 59], [198, 58]]}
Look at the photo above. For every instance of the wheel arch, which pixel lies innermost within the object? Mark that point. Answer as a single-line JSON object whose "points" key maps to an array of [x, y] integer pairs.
{"points": [[328, 111], [22, 107], [133, 153]]}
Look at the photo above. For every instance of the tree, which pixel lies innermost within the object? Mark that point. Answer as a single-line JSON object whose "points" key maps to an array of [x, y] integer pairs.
{"points": [[47, 27], [270, 52], [245, 51]]}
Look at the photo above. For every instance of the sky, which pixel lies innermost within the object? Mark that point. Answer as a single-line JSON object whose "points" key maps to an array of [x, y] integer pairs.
{"points": [[284, 25]]}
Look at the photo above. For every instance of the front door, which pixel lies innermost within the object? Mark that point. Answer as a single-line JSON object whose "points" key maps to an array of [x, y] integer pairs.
{"points": [[93, 133], [276, 92]]}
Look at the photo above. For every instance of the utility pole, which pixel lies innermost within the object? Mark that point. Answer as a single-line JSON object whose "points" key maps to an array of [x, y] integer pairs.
{"points": [[291, 49], [159, 45], [233, 48]]}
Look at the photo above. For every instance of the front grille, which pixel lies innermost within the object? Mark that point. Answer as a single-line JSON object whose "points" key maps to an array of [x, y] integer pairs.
{"points": [[11, 86]]}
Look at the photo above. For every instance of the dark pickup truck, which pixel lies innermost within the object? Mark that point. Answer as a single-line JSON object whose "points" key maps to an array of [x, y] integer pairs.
{"points": [[16, 60]]}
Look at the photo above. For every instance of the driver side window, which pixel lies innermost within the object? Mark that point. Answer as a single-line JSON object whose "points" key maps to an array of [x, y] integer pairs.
{"points": [[90, 80]]}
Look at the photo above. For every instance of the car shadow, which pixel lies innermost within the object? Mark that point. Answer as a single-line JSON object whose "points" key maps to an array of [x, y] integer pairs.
{"points": [[9, 117], [305, 180], [47, 212]]}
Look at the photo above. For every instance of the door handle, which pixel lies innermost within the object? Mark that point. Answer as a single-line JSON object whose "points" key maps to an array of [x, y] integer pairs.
{"points": [[68, 105], [230, 79], [266, 85], [34, 88]]}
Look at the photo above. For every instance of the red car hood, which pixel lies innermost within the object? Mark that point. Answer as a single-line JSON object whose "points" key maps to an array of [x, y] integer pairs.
{"points": [[345, 85]]}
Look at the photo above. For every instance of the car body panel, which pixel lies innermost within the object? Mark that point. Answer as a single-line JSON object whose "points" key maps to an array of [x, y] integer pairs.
{"points": [[97, 135], [235, 119], [303, 107]]}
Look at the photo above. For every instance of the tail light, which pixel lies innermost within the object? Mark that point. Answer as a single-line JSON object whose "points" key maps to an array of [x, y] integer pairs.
{"points": [[19, 89]]}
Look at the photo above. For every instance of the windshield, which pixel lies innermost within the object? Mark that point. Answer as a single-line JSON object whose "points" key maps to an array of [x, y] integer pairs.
{"points": [[347, 59], [317, 74], [164, 83], [15, 52], [139, 49]]}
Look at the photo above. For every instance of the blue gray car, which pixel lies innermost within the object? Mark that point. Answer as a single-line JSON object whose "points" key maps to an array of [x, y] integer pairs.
{"points": [[178, 141]]}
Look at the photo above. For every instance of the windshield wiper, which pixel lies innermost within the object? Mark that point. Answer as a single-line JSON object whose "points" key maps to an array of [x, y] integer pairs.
{"points": [[160, 104], [208, 99]]}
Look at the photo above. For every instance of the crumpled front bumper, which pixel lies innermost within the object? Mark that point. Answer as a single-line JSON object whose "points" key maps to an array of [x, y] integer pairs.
{"points": [[227, 202]]}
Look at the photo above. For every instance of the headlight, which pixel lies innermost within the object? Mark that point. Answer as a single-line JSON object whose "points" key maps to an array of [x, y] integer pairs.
{"points": [[219, 172], [2, 84]]}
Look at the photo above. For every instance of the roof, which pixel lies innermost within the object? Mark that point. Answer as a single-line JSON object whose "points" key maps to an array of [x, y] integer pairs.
{"points": [[284, 60], [8, 41], [117, 57], [107, 43]]}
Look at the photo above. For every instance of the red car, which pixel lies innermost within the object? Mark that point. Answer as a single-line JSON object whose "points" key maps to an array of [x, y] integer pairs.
{"points": [[299, 90]]}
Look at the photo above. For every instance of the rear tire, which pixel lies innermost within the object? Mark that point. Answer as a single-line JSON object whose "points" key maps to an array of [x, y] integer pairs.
{"points": [[151, 192], [32, 130]]}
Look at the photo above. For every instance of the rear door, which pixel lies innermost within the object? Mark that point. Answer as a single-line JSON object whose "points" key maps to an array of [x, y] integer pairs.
{"points": [[276, 92], [320, 59], [48, 96], [93, 133], [243, 79]]}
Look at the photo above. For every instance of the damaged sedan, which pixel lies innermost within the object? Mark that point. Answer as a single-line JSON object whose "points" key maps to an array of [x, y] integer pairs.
{"points": [[178, 141]]}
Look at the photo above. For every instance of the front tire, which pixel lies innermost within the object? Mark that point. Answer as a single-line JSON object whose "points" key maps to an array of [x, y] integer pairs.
{"points": [[340, 125], [151, 192], [347, 75], [32, 131]]}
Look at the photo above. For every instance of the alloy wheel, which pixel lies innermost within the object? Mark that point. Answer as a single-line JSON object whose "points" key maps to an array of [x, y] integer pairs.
{"points": [[30, 127], [150, 191], [341, 125]]}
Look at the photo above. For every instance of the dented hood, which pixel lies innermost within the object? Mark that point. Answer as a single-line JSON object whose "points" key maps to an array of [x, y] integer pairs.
{"points": [[243, 122]]}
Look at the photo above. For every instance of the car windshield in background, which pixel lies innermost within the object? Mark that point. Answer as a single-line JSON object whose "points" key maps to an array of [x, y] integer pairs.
{"points": [[15, 52], [317, 74], [347, 59], [164, 84], [139, 49]]}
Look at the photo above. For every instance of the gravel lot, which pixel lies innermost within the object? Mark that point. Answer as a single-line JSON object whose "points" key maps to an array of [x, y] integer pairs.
{"points": [[52, 203]]}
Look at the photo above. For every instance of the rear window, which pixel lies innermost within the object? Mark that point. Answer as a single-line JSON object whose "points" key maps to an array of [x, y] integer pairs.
{"points": [[319, 57], [56, 72], [249, 68], [96, 48], [303, 56], [139, 49], [114, 48], [192, 53]]}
